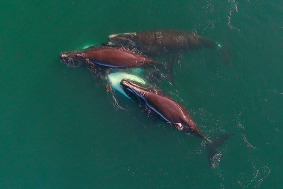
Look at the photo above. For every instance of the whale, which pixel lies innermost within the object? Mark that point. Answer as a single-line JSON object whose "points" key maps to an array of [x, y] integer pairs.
{"points": [[172, 112], [161, 42], [106, 57]]}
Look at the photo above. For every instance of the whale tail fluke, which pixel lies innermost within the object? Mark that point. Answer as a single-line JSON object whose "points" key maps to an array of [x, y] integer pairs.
{"points": [[212, 145], [225, 54], [225, 51]]}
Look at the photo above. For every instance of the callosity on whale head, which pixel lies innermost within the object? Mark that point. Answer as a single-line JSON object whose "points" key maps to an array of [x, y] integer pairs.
{"points": [[74, 58], [134, 90], [122, 40], [116, 78]]}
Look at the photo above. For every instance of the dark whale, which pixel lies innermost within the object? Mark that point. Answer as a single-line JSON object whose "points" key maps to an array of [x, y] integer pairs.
{"points": [[110, 57], [172, 112], [161, 42]]}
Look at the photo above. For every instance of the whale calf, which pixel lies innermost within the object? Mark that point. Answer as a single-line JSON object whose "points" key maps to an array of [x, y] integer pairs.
{"points": [[172, 112], [108, 57]]}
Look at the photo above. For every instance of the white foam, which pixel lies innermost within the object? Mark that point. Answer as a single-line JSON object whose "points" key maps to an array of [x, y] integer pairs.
{"points": [[114, 35]]}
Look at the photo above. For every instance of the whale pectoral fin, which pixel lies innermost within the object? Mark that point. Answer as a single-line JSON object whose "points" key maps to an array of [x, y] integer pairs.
{"points": [[168, 66], [170, 71], [157, 69], [212, 145]]}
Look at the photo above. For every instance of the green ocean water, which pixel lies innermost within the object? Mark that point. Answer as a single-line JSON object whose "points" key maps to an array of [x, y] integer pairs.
{"points": [[59, 128]]}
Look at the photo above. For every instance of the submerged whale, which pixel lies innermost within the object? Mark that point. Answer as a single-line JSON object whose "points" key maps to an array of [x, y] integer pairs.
{"points": [[161, 42], [173, 113], [108, 57]]}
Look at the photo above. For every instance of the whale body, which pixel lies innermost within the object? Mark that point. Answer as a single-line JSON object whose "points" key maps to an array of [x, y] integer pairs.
{"points": [[107, 57], [173, 113], [161, 42]]}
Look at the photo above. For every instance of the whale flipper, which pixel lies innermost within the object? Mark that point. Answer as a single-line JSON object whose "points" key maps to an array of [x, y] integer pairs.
{"points": [[169, 68], [212, 145]]}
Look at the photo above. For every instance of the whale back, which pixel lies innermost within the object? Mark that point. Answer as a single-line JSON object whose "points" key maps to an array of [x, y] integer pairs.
{"points": [[113, 57], [164, 106], [160, 42]]}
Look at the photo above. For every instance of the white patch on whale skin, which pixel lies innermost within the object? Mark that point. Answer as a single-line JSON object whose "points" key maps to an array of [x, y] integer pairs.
{"points": [[64, 55], [114, 35], [116, 77], [133, 33], [110, 43], [219, 46]]}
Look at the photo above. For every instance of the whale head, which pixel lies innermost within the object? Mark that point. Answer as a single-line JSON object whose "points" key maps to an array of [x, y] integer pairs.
{"points": [[116, 78], [133, 90], [122, 40], [74, 58]]}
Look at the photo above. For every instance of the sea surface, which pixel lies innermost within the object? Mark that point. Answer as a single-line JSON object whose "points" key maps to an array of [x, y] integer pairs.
{"points": [[60, 128]]}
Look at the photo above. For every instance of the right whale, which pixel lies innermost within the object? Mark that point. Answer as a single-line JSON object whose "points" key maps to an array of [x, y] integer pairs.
{"points": [[161, 42], [173, 113], [107, 57]]}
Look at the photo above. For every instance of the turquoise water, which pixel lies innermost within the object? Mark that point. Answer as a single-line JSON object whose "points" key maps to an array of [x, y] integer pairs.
{"points": [[60, 128]]}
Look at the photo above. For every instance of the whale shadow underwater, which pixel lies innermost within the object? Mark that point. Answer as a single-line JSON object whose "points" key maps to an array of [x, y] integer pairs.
{"points": [[172, 112]]}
